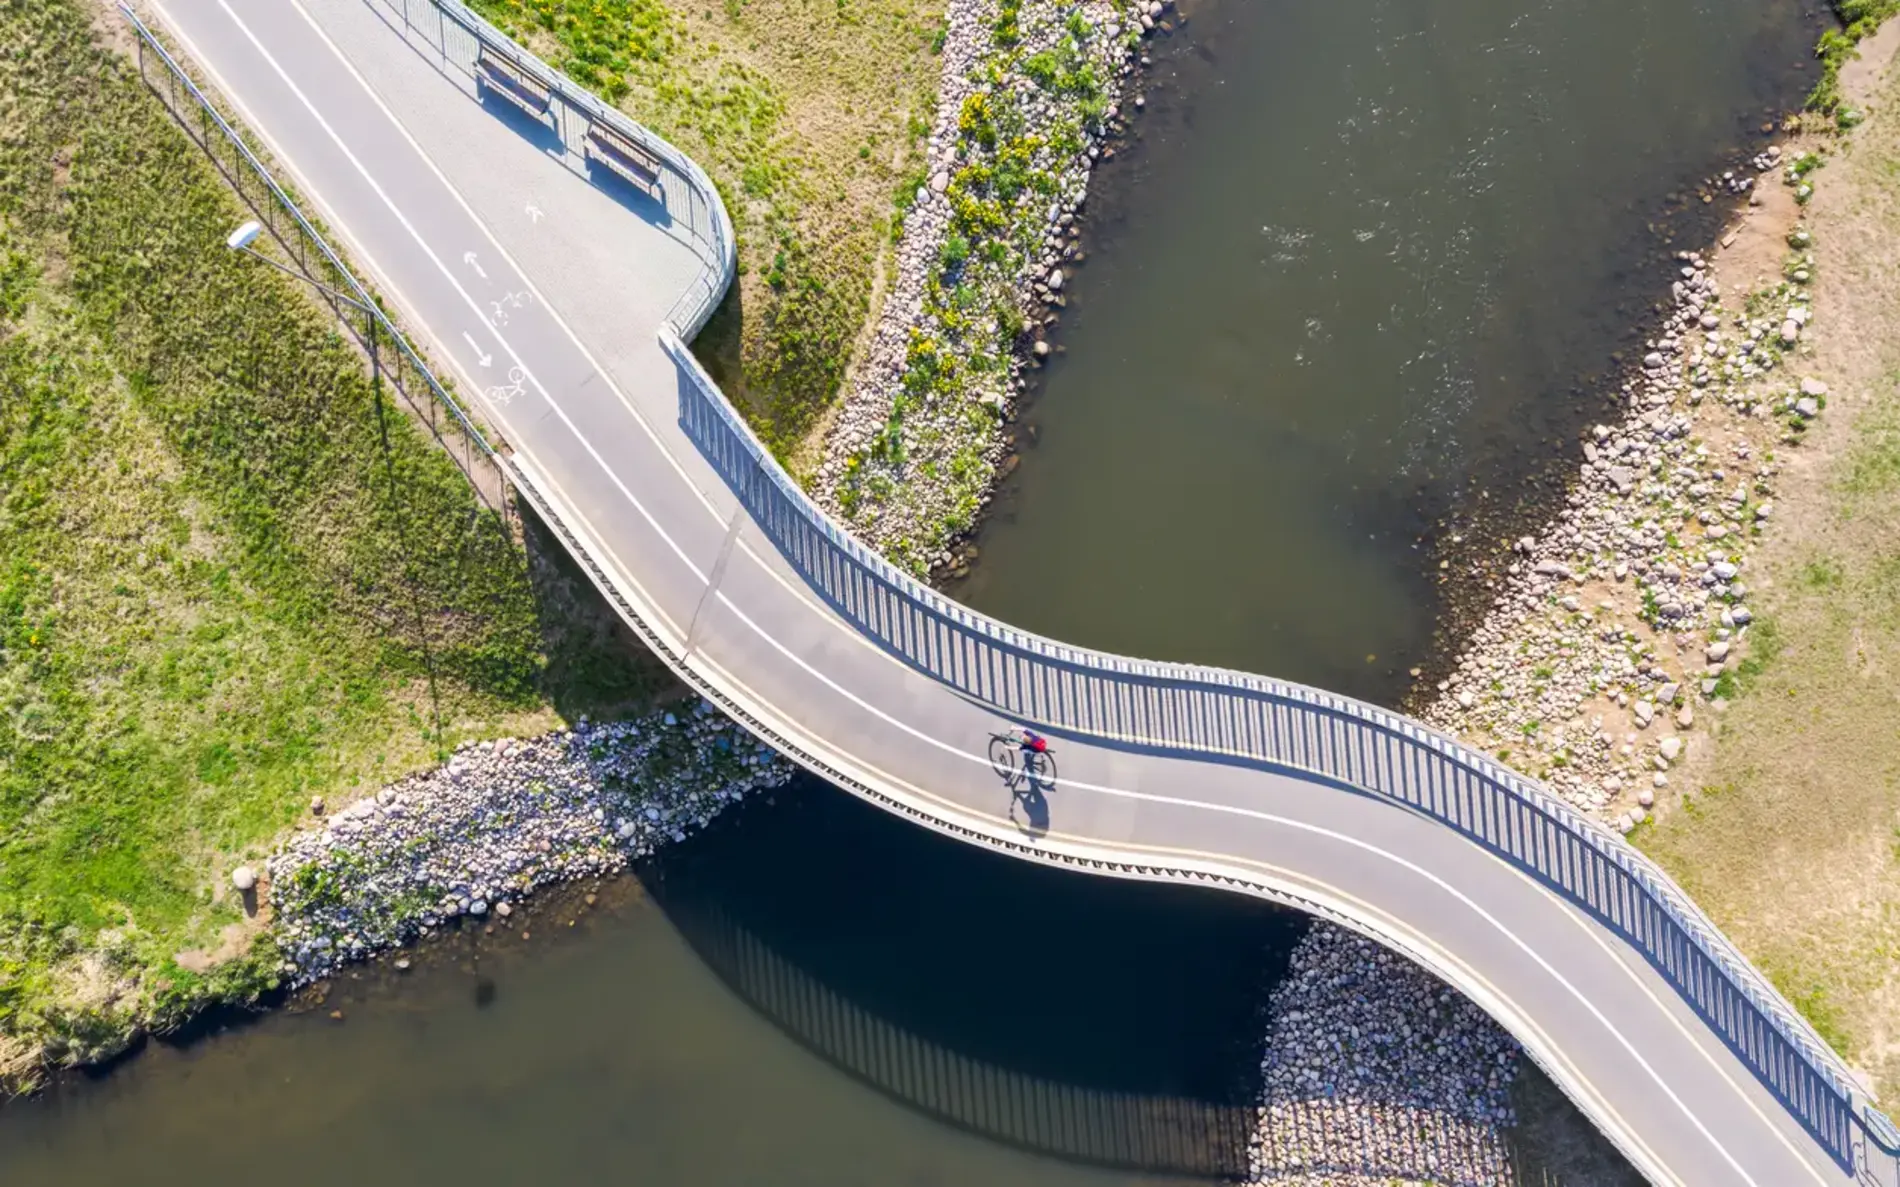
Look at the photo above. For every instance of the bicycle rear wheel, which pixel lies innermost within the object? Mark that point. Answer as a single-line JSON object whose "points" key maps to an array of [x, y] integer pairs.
{"points": [[1040, 770], [1003, 757]]}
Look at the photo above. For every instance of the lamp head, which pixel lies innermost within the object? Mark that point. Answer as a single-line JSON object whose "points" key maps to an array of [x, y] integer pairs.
{"points": [[244, 235]]}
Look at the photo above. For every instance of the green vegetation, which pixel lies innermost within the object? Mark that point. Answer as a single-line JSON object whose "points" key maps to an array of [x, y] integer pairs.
{"points": [[1016, 151], [1859, 20], [1787, 832], [232, 574], [808, 114]]}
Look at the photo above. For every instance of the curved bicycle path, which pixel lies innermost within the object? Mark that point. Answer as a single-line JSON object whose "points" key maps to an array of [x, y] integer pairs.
{"points": [[547, 287]]}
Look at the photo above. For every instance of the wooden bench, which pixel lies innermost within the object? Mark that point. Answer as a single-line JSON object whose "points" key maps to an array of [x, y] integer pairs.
{"points": [[513, 83], [624, 156]]}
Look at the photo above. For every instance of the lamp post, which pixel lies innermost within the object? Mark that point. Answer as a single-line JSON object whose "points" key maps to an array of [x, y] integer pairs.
{"points": [[241, 240], [246, 234]]}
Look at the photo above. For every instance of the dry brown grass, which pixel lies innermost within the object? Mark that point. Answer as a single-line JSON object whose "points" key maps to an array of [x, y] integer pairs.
{"points": [[1790, 837]]}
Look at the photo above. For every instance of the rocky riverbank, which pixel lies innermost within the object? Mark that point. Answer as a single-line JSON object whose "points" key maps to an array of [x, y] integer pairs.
{"points": [[1626, 622], [1030, 97], [1377, 1074], [1616, 633], [468, 839]]}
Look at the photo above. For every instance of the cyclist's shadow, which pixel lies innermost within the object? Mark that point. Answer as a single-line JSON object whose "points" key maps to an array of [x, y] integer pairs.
{"points": [[1029, 807]]}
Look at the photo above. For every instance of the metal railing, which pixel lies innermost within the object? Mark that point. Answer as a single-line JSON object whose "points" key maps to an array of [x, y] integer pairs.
{"points": [[1173, 708], [461, 33], [312, 254], [1199, 711]]}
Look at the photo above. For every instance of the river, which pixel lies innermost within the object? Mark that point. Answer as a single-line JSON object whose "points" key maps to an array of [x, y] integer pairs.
{"points": [[1358, 264], [809, 992], [1351, 268]]}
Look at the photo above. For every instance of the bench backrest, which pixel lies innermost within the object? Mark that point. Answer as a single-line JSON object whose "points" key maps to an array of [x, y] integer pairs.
{"points": [[625, 145], [488, 60]]}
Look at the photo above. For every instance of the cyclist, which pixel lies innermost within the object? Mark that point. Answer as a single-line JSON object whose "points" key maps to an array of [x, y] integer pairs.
{"points": [[1034, 743]]}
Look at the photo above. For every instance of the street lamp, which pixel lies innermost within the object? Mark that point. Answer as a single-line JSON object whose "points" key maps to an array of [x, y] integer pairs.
{"points": [[247, 233], [241, 240]]}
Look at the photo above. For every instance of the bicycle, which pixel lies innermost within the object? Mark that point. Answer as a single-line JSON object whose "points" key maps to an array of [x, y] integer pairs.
{"points": [[1020, 768]]}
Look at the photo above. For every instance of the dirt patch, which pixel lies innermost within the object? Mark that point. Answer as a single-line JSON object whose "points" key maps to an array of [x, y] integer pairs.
{"points": [[1789, 831], [234, 940], [1862, 74], [1750, 252], [110, 29]]}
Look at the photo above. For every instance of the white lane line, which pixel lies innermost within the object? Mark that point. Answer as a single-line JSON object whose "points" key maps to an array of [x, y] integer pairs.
{"points": [[384, 279], [830, 619], [535, 213], [1748, 1098], [1270, 818], [632, 409], [482, 357], [946, 810], [449, 276]]}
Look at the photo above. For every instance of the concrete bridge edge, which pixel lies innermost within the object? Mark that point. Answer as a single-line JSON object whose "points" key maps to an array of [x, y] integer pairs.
{"points": [[815, 755]]}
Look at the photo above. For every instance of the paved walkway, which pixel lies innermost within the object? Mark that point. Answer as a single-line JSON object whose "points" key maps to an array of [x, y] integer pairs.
{"points": [[545, 290]]}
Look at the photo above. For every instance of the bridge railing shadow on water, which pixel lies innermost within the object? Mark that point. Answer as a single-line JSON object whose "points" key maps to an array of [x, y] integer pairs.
{"points": [[1154, 707], [1153, 1134], [1109, 1024], [1157, 1134], [1240, 718]]}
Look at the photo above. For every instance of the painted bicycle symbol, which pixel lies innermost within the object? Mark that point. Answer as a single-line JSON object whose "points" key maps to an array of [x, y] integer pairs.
{"points": [[504, 393], [498, 316]]}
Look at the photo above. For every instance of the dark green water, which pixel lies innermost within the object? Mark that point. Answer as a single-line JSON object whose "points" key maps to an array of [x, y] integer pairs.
{"points": [[810, 993], [1357, 259]]}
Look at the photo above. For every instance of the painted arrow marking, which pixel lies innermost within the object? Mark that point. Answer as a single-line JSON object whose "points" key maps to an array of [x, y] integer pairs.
{"points": [[533, 212], [468, 257], [482, 357]]}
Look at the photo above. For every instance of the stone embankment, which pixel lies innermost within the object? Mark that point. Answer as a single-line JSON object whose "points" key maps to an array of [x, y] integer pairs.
{"points": [[1376, 1073], [1030, 97], [1618, 631], [1624, 625], [469, 838]]}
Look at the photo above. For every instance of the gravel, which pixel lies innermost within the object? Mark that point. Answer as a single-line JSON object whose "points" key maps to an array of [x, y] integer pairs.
{"points": [[496, 821], [1376, 1073]]}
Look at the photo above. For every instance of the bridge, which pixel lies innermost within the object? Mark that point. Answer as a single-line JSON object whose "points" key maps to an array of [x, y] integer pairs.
{"points": [[495, 204]]}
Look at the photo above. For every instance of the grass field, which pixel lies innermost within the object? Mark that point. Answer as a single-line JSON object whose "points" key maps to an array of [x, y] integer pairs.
{"points": [[231, 575], [1791, 836], [809, 115]]}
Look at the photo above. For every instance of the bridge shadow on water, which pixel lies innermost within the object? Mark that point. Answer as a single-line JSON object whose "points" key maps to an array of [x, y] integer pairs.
{"points": [[1098, 1021], [1252, 722]]}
